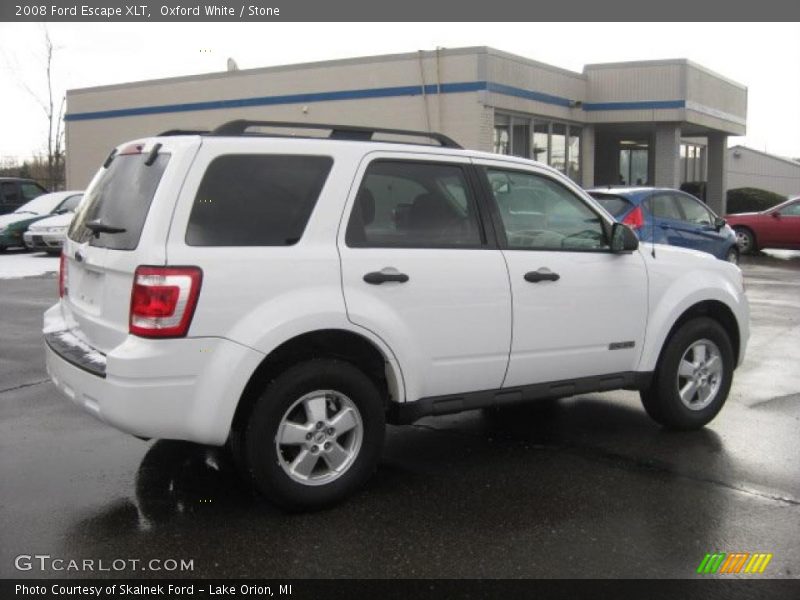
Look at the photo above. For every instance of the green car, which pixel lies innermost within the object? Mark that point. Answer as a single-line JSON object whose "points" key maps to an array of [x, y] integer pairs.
{"points": [[13, 225]]}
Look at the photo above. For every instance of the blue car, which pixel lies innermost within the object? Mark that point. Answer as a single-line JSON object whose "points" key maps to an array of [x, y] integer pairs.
{"points": [[680, 219]]}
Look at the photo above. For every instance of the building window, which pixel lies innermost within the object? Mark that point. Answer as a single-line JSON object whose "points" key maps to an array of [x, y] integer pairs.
{"points": [[552, 143], [574, 153], [501, 143], [558, 147], [633, 163], [693, 162], [541, 142], [520, 140]]}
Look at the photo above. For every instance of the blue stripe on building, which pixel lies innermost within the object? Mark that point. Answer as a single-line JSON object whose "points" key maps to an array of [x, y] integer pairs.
{"points": [[384, 92]]}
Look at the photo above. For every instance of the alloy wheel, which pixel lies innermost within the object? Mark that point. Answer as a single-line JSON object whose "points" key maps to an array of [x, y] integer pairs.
{"points": [[700, 373], [319, 437]]}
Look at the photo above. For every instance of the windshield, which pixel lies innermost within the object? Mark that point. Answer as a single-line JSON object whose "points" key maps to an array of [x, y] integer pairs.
{"points": [[43, 205], [70, 204]]}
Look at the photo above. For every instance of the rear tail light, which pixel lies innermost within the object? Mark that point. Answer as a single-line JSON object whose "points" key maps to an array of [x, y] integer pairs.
{"points": [[635, 218], [163, 300], [62, 276]]}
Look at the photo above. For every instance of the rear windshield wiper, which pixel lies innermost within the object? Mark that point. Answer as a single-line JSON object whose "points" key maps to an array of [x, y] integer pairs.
{"points": [[97, 227]]}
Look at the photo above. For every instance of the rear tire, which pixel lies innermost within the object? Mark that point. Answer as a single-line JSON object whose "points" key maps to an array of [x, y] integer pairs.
{"points": [[315, 435], [732, 256], [746, 240], [693, 376]]}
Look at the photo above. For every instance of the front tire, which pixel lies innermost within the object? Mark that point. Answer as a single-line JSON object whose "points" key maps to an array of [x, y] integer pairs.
{"points": [[693, 376], [315, 435], [732, 256]]}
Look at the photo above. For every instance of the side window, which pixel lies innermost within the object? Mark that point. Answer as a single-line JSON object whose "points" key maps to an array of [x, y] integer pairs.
{"points": [[256, 200], [539, 213], [10, 193], [663, 206], [30, 191], [693, 211], [792, 210], [405, 204]]}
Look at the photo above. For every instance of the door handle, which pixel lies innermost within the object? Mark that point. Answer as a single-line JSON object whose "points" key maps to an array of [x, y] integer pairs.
{"points": [[379, 277], [542, 274]]}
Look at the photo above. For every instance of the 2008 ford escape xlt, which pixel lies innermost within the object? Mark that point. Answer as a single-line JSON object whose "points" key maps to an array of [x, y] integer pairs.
{"points": [[289, 296]]}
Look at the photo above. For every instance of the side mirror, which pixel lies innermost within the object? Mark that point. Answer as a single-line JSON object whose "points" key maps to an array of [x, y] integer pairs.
{"points": [[776, 215], [623, 239], [719, 223]]}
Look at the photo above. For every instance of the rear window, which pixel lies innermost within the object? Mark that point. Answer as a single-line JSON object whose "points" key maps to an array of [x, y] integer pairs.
{"points": [[121, 197], [616, 205], [256, 200]]}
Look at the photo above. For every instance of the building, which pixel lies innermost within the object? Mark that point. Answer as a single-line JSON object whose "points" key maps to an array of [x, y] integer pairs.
{"points": [[752, 168], [612, 123]]}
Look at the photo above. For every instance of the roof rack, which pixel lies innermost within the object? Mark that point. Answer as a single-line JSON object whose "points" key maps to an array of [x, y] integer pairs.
{"points": [[337, 132], [171, 132]]}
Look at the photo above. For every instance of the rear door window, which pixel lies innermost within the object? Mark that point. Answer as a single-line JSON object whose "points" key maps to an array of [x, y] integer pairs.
{"points": [[663, 206], [31, 190], [121, 197], [410, 204], [10, 193], [256, 199]]}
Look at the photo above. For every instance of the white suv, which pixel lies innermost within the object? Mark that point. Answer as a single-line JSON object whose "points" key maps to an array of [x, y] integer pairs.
{"points": [[291, 295]]}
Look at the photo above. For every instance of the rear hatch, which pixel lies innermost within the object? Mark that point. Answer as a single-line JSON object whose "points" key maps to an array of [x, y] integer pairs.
{"points": [[121, 224]]}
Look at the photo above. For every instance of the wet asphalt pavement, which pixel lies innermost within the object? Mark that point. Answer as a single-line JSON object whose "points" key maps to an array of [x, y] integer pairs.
{"points": [[585, 487]]}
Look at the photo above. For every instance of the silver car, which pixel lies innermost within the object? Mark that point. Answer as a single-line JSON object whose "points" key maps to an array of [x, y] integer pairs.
{"points": [[48, 234]]}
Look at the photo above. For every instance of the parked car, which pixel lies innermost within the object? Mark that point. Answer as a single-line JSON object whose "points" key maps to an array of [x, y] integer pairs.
{"points": [[289, 296], [48, 234], [777, 227], [14, 225], [680, 219], [16, 191]]}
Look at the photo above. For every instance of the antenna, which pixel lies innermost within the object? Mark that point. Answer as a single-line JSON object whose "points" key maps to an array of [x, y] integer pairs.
{"points": [[232, 66], [653, 227]]}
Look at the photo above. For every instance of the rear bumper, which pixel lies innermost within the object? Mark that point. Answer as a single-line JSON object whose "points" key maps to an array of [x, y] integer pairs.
{"points": [[184, 389]]}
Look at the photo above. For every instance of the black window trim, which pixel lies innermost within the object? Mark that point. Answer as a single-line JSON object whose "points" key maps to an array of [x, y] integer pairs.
{"points": [[485, 228], [497, 219]]}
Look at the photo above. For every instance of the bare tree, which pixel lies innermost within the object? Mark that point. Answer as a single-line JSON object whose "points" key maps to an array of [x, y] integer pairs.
{"points": [[55, 118]]}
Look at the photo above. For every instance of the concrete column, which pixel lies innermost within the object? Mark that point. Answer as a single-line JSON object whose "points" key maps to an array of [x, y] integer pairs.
{"points": [[666, 155], [717, 173], [587, 156]]}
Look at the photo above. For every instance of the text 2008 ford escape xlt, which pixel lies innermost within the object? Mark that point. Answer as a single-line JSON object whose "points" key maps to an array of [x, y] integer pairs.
{"points": [[289, 296]]}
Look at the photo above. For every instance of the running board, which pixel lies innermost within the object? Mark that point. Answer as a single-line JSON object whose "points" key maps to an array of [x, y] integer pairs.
{"points": [[408, 412]]}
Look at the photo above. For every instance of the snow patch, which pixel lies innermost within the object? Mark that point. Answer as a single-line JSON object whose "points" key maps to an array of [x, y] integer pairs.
{"points": [[14, 265]]}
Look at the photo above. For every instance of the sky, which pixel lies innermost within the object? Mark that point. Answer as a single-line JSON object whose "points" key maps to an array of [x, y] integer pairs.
{"points": [[764, 57]]}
